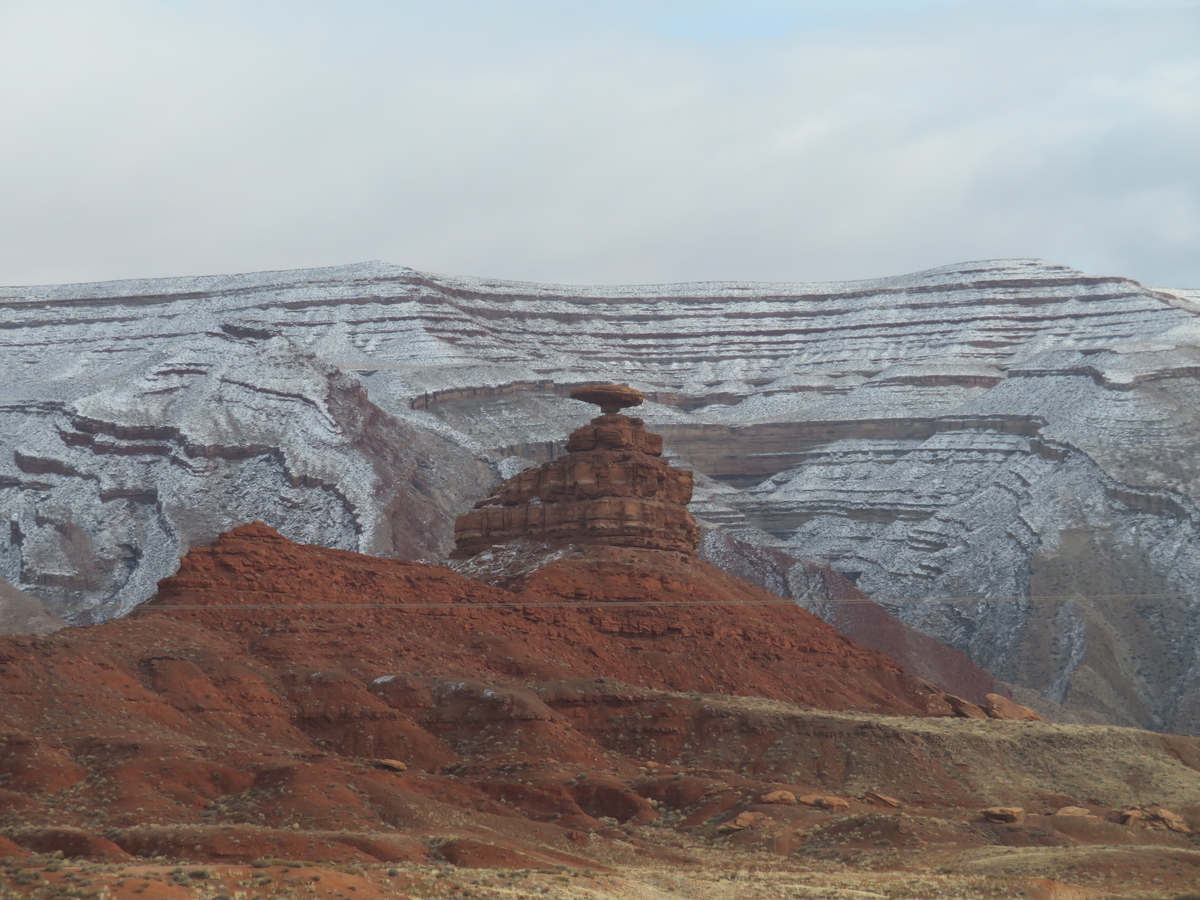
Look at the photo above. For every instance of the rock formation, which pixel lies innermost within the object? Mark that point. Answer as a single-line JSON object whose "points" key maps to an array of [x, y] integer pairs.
{"points": [[611, 487], [640, 616], [611, 398], [996, 429], [624, 706]]}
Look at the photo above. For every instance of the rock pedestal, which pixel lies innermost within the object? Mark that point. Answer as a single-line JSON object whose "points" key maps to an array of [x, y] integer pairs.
{"points": [[612, 487]]}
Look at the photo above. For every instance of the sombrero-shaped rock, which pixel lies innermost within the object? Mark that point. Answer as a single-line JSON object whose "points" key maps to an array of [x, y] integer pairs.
{"points": [[611, 398]]}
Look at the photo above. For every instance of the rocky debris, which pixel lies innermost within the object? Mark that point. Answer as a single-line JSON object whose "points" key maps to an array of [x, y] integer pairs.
{"points": [[1132, 817], [966, 708], [1155, 816], [1007, 814], [825, 801], [612, 487], [1171, 820], [998, 707], [746, 820], [611, 398]]}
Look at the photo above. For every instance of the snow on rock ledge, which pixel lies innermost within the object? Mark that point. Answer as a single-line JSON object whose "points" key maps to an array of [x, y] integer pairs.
{"points": [[989, 429]]}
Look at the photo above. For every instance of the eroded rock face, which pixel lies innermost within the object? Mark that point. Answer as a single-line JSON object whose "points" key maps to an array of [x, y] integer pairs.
{"points": [[832, 597], [102, 495], [995, 429], [640, 616], [612, 487], [278, 698]]}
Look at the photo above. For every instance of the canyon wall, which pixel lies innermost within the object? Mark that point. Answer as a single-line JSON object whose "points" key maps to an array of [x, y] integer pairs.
{"points": [[1014, 437]]}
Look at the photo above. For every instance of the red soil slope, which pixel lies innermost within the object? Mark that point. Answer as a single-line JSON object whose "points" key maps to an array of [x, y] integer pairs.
{"points": [[644, 617], [286, 701], [267, 672]]}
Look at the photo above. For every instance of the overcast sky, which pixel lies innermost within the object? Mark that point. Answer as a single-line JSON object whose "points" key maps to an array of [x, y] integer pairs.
{"points": [[598, 141]]}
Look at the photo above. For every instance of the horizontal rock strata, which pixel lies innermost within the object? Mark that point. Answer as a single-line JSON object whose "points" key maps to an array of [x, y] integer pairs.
{"points": [[277, 701], [612, 486], [1002, 428]]}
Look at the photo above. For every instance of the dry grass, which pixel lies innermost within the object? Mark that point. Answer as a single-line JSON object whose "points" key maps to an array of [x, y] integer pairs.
{"points": [[1000, 759]]}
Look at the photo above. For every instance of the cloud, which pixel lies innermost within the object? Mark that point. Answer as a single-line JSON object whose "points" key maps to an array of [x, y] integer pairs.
{"points": [[593, 142]]}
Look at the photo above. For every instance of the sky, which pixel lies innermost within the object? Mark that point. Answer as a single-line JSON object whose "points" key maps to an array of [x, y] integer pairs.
{"points": [[598, 141]]}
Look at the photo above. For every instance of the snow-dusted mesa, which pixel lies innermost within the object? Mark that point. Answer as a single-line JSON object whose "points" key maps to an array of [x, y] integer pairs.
{"points": [[995, 429]]}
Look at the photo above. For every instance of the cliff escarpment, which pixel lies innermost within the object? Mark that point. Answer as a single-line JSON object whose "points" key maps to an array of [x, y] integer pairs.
{"points": [[1015, 437]]}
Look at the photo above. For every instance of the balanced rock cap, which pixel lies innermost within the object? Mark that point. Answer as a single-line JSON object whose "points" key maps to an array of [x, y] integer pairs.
{"points": [[611, 398]]}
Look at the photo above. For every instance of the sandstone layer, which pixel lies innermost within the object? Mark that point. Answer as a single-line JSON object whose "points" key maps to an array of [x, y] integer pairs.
{"points": [[611, 398], [285, 702], [611, 487], [640, 616], [987, 430]]}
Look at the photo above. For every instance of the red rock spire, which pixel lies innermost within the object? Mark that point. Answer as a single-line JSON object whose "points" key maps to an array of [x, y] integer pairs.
{"points": [[612, 487]]}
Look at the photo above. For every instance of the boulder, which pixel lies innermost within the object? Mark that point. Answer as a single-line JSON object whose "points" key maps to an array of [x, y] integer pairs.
{"points": [[965, 709], [1132, 817], [779, 797], [1171, 820], [998, 707], [1154, 817], [745, 820], [1007, 814], [882, 799], [824, 801]]}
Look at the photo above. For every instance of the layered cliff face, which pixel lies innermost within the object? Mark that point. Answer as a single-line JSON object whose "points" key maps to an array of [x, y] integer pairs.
{"points": [[831, 596], [1005, 428], [108, 484]]}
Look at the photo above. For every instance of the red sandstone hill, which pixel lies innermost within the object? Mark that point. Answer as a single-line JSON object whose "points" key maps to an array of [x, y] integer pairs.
{"points": [[283, 700], [254, 685], [249, 711], [652, 618]]}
